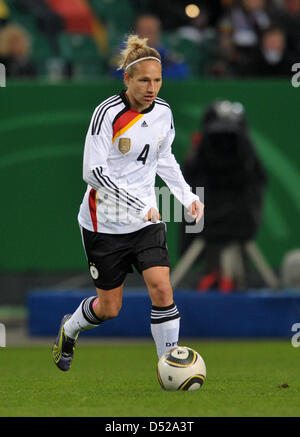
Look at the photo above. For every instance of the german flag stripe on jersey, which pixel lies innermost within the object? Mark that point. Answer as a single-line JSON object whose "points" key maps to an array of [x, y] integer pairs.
{"points": [[124, 122], [93, 208]]}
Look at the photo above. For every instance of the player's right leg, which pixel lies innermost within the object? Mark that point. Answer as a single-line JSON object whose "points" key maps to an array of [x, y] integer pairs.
{"points": [[91, 312]]}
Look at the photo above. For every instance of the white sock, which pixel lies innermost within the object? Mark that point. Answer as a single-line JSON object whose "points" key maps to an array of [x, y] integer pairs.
{"points": [[165, 323], [83, 318]]}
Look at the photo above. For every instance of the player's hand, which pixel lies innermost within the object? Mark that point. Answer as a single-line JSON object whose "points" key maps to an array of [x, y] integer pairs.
{"points": [[196, 210], [152, 215]]}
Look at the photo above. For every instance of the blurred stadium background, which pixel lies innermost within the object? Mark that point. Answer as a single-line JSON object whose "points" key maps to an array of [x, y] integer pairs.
{"points": [[60, 59]]}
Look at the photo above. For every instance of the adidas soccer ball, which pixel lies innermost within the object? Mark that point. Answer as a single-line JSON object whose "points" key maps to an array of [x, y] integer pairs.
{"points": [[181, 368]]}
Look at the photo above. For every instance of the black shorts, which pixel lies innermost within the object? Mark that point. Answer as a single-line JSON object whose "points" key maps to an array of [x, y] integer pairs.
{"points": [[111, 257]]}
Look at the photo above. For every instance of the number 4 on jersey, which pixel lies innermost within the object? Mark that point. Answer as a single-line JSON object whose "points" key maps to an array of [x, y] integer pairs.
{"points": [[144, 153]]}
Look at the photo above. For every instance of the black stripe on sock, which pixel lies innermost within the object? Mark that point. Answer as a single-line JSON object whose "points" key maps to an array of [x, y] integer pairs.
{"points": [[92, 309], [88, 312], [164, 319], [164, 308], [161, 315]]}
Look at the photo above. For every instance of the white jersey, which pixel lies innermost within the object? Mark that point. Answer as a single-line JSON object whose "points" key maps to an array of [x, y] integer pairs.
{"points": [[124, 150]]}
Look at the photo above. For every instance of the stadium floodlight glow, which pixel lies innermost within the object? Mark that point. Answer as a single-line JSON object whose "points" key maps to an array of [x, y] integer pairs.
{"points": [[192, 10]]}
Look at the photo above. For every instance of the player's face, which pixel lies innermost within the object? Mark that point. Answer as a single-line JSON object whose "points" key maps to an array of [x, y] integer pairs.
{"points": [[143, 87]]}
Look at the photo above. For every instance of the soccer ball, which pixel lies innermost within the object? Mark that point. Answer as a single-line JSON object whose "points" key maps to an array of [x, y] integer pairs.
{"points": [[181, 368]]}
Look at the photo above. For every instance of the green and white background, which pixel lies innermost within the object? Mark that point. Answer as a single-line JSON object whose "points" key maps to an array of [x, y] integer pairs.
{"points": [[42, 132]]}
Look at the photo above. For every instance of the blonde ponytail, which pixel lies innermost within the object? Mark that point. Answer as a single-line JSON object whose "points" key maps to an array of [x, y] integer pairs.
{"points": [[135, 49]]}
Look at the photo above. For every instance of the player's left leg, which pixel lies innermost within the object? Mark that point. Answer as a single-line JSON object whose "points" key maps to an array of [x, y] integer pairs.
{"points": [[165, 318]]}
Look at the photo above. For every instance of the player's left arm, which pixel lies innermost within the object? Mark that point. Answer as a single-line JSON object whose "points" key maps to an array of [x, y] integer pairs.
{"points": [[169, 170]]}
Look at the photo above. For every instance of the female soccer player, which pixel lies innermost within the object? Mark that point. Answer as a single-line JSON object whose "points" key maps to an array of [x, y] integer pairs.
{"points": [[128, 142]]}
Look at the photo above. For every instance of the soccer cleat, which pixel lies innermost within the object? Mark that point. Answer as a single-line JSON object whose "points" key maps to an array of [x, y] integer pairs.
{"points": [[63, 347]]}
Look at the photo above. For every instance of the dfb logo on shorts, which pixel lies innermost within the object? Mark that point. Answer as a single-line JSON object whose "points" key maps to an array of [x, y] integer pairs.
{"points": [[94, 272]]}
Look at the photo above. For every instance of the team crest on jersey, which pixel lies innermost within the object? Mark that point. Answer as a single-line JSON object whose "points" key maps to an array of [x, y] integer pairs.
{"points": [[124, 145]]}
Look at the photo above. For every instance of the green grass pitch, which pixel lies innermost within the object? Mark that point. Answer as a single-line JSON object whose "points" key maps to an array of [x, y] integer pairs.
{"points": [[244, 379]]}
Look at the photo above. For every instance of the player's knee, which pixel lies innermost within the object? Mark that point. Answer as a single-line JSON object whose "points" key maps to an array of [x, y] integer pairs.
{"points": [[161, 293]]}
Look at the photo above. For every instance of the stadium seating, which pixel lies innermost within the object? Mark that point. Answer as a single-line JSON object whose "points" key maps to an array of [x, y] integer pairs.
{"points": [[87, 34], [117, 17], [41, 46], [83, 54], [77, 15], [197, 55]]}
